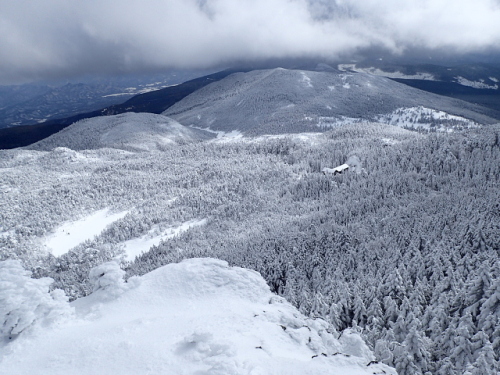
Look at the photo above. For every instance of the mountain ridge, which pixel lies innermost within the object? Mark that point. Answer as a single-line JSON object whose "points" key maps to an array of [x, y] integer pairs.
{"points": [[280, 100]]}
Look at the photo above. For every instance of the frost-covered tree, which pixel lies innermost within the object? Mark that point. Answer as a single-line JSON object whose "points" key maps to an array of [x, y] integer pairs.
{"points": [[416, 345], [485, 364], [462, 352], [25, 302], [490, 308], [418, 231], [108, 279]]}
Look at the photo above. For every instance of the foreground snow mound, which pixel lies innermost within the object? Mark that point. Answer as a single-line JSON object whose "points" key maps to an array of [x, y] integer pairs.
{"points": [[196, 317], [127, 131]]}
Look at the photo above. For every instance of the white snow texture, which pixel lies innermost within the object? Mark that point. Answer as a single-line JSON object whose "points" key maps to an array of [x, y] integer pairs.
{"points": [[196, 317]]}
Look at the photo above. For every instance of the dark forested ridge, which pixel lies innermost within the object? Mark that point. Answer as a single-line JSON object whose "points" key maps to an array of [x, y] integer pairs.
{"points": [[405, 247], [483, 97]]}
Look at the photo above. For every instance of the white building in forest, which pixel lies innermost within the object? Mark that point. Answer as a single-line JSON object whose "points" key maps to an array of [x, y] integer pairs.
{"points": [[340, 169]]}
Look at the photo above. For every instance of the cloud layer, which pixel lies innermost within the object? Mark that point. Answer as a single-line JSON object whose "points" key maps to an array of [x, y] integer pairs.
{"points": [[65, 37]]}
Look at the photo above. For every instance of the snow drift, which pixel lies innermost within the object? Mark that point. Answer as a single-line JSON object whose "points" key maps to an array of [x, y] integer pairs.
{"points": [[196, 317]]}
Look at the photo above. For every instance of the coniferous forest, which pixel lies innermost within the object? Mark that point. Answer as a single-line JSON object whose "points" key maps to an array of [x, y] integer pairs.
{"points": [[404, 246]]}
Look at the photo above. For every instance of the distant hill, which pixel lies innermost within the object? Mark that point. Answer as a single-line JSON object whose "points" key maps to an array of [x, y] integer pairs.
{"points": [[127, 131], [275, 101], [287, 101], [152, 102], [484, 97]]}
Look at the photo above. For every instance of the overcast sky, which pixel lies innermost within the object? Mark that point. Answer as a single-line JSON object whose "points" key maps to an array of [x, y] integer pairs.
{"points": [[64, 38]]}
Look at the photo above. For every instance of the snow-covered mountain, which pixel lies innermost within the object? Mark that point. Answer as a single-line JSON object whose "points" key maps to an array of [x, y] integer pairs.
{"points": [[375, 229], [128, 131], [282, 101], [196, 317]]}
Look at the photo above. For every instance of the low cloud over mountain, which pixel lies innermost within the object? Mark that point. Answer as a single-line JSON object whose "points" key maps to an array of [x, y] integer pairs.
{"points": [[54, 38]]}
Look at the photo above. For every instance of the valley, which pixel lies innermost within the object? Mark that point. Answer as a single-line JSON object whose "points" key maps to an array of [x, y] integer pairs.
{"points": [[401, 248]]}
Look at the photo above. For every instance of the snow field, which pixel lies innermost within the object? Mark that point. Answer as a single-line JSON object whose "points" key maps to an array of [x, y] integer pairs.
{"points": [[136, 246], [221, 135], [196, 317], [71, 234]]}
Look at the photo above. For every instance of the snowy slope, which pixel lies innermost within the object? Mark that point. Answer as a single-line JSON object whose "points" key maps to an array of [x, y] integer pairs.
{"points": [[283, 101], [196, 317], [421, 117], [129, 131], [71, 234], [136, 246]]}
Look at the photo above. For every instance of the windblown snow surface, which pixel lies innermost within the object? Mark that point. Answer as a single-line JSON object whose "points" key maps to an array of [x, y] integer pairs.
{"points": [[196, 317]]}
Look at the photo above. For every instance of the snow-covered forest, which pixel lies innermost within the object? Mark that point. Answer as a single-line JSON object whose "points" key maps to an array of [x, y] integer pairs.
{"points": [[403, 249]]}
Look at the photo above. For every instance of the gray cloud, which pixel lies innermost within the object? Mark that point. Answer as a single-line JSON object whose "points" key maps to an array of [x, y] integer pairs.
{"points": [[63, 37]]}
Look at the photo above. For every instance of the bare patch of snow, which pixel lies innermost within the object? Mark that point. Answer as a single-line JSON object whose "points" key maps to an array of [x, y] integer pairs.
{"points": [[221, 135], [345, 84], [118, 94], [309, 138], [73, 233], [135, 91], [136, 246], [346, 67]]}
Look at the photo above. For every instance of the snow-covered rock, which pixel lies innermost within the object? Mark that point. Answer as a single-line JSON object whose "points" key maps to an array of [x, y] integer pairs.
{"points": [[196, 317]]}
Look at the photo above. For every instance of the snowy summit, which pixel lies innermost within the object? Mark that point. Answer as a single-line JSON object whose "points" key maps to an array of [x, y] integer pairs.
{"points": [[196, 317]]}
